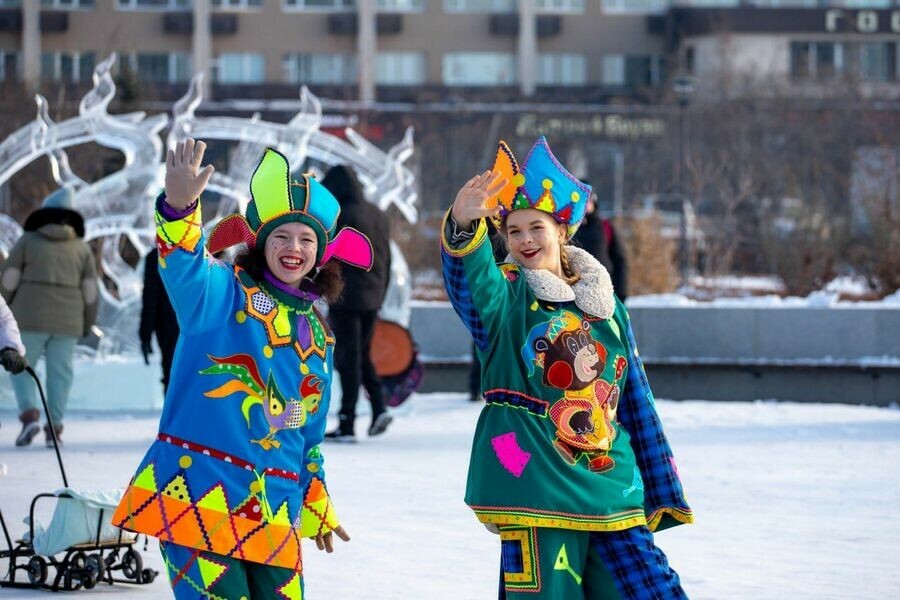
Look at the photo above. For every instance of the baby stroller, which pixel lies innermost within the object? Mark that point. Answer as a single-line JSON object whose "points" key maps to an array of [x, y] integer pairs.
{"points": [[92, 549]]}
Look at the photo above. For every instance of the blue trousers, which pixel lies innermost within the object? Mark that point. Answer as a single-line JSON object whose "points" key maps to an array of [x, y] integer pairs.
{"points": [[57, 351]]}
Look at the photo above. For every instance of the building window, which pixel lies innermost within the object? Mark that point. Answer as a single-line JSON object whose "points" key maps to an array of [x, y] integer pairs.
{"points": [[788, 3], [320, 5], [817, 60], [877, 61], [479, 68], [400, 68], [709, 3], [236, 4], [555, 7], [320, 69], [863, 3], [613, 69], [66, 4], [561, 69], [479, 6], [240, 68], [69, 67], [400, 6], [9, 69], [160, 67], [633, 70], [153, 4], [634, 6]]}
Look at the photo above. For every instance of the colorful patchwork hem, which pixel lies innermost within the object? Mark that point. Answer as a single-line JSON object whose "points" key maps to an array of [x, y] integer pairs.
{"points": [[530, 517], [204, 526]]}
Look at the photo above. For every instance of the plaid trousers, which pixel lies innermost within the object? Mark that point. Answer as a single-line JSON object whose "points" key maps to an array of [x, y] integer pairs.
{"points": [[544, 563]]}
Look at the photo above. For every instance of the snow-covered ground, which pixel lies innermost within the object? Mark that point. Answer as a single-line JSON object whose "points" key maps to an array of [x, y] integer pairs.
{"points": [[791, 501]]}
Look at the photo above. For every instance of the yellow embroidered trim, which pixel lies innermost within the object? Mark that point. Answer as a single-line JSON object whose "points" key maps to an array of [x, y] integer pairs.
{"points": [[526, 579], [560, 522], [184, 233], [469, 248], [683, 516]]}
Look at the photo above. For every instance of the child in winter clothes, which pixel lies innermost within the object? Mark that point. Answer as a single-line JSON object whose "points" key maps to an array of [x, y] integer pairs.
{"points": [[569, 461], [235, 477]]}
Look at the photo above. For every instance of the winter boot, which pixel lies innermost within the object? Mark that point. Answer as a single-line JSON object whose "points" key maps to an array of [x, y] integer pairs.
{"points": [[380, 423], [30, 426], [343, 434], [48, 437]]}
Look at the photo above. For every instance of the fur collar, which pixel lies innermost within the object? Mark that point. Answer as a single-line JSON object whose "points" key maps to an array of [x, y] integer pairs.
{"points": [[593, 293]]}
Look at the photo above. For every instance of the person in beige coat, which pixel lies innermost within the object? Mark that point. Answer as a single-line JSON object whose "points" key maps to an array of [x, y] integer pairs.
{"points": [[50, 282]]}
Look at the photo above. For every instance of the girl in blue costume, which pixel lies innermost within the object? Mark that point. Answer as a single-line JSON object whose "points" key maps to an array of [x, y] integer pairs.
{"points": [[569, 461], [235, 477]]}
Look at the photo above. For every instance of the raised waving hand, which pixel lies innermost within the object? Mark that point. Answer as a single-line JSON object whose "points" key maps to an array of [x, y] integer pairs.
{"points": [[185, 180], [474, 200]]}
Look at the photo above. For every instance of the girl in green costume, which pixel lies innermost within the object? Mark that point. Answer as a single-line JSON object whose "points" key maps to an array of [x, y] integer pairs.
{"points": [[569, 461]]}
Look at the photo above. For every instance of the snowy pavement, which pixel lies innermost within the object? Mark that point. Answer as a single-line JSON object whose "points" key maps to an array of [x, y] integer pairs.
{"points": [[791, 501]]}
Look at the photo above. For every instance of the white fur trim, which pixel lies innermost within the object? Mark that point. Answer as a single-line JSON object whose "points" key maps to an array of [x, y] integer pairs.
{"points": [[593, 293]]}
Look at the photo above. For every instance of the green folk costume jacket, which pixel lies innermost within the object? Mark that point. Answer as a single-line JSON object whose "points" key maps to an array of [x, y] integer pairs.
{"points": [[569, 436]]}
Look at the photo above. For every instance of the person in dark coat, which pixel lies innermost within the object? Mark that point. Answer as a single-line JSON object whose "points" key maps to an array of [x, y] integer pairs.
{"points": [[598, 237], [157, 316], [353, 316]]}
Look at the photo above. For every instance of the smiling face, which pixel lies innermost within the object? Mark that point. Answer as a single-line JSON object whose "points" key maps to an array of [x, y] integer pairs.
{"points": [[291, 252], [534, 238]]}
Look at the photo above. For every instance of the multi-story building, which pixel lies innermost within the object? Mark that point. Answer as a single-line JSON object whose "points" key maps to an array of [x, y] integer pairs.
{"points": [[581, 50], [366, 49], [804, 47]]}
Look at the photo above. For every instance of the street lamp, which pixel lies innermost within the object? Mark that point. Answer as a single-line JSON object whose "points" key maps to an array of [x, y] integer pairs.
{"points": [[683, 87]]}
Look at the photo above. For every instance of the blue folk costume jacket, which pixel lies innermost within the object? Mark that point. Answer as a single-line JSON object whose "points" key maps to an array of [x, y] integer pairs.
{"points": [[569, 436], [236, 468]]}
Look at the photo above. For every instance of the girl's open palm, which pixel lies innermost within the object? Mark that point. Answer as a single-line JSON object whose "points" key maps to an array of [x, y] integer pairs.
{"points": [[185, 180], [472, 199]]}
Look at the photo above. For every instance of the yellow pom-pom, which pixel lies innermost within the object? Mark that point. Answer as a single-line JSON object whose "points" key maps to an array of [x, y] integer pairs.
{"points": [[548, 185], [576, 196], [162, 263], [304, 369], [240, 316], [519, 180], [185, 461], [267, 351], [254, 487], [312, 468]]}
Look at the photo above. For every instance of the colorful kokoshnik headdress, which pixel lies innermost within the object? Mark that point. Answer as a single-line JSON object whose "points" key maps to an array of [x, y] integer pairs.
{"points": [[541, 183], [275, 199]]}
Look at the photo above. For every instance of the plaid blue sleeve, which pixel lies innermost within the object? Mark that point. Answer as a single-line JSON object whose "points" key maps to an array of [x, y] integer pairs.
{"points": [[474, 283], [664, 501]]}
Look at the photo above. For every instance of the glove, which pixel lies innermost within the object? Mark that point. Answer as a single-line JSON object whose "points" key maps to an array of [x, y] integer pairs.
{"points": [[146, 350], [12, 361]]}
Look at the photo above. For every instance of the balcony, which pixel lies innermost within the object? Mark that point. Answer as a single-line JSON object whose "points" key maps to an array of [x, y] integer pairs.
{"points": [[52, 21], [182, 23], [56, 21], [348, 24], [507, 24]]}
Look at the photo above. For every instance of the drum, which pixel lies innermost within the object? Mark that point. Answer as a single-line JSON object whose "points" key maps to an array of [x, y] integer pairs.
{"points": [[396, 360]]}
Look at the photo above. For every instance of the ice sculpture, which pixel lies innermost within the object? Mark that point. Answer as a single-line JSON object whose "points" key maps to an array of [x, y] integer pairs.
{"points": [[119, 206]]}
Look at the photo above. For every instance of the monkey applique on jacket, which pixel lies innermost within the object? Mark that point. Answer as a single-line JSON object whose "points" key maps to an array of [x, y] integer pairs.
{"points": [[573, 361]]}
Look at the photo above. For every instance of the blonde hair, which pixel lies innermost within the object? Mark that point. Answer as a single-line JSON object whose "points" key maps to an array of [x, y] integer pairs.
{"points": [[570, 276]]}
